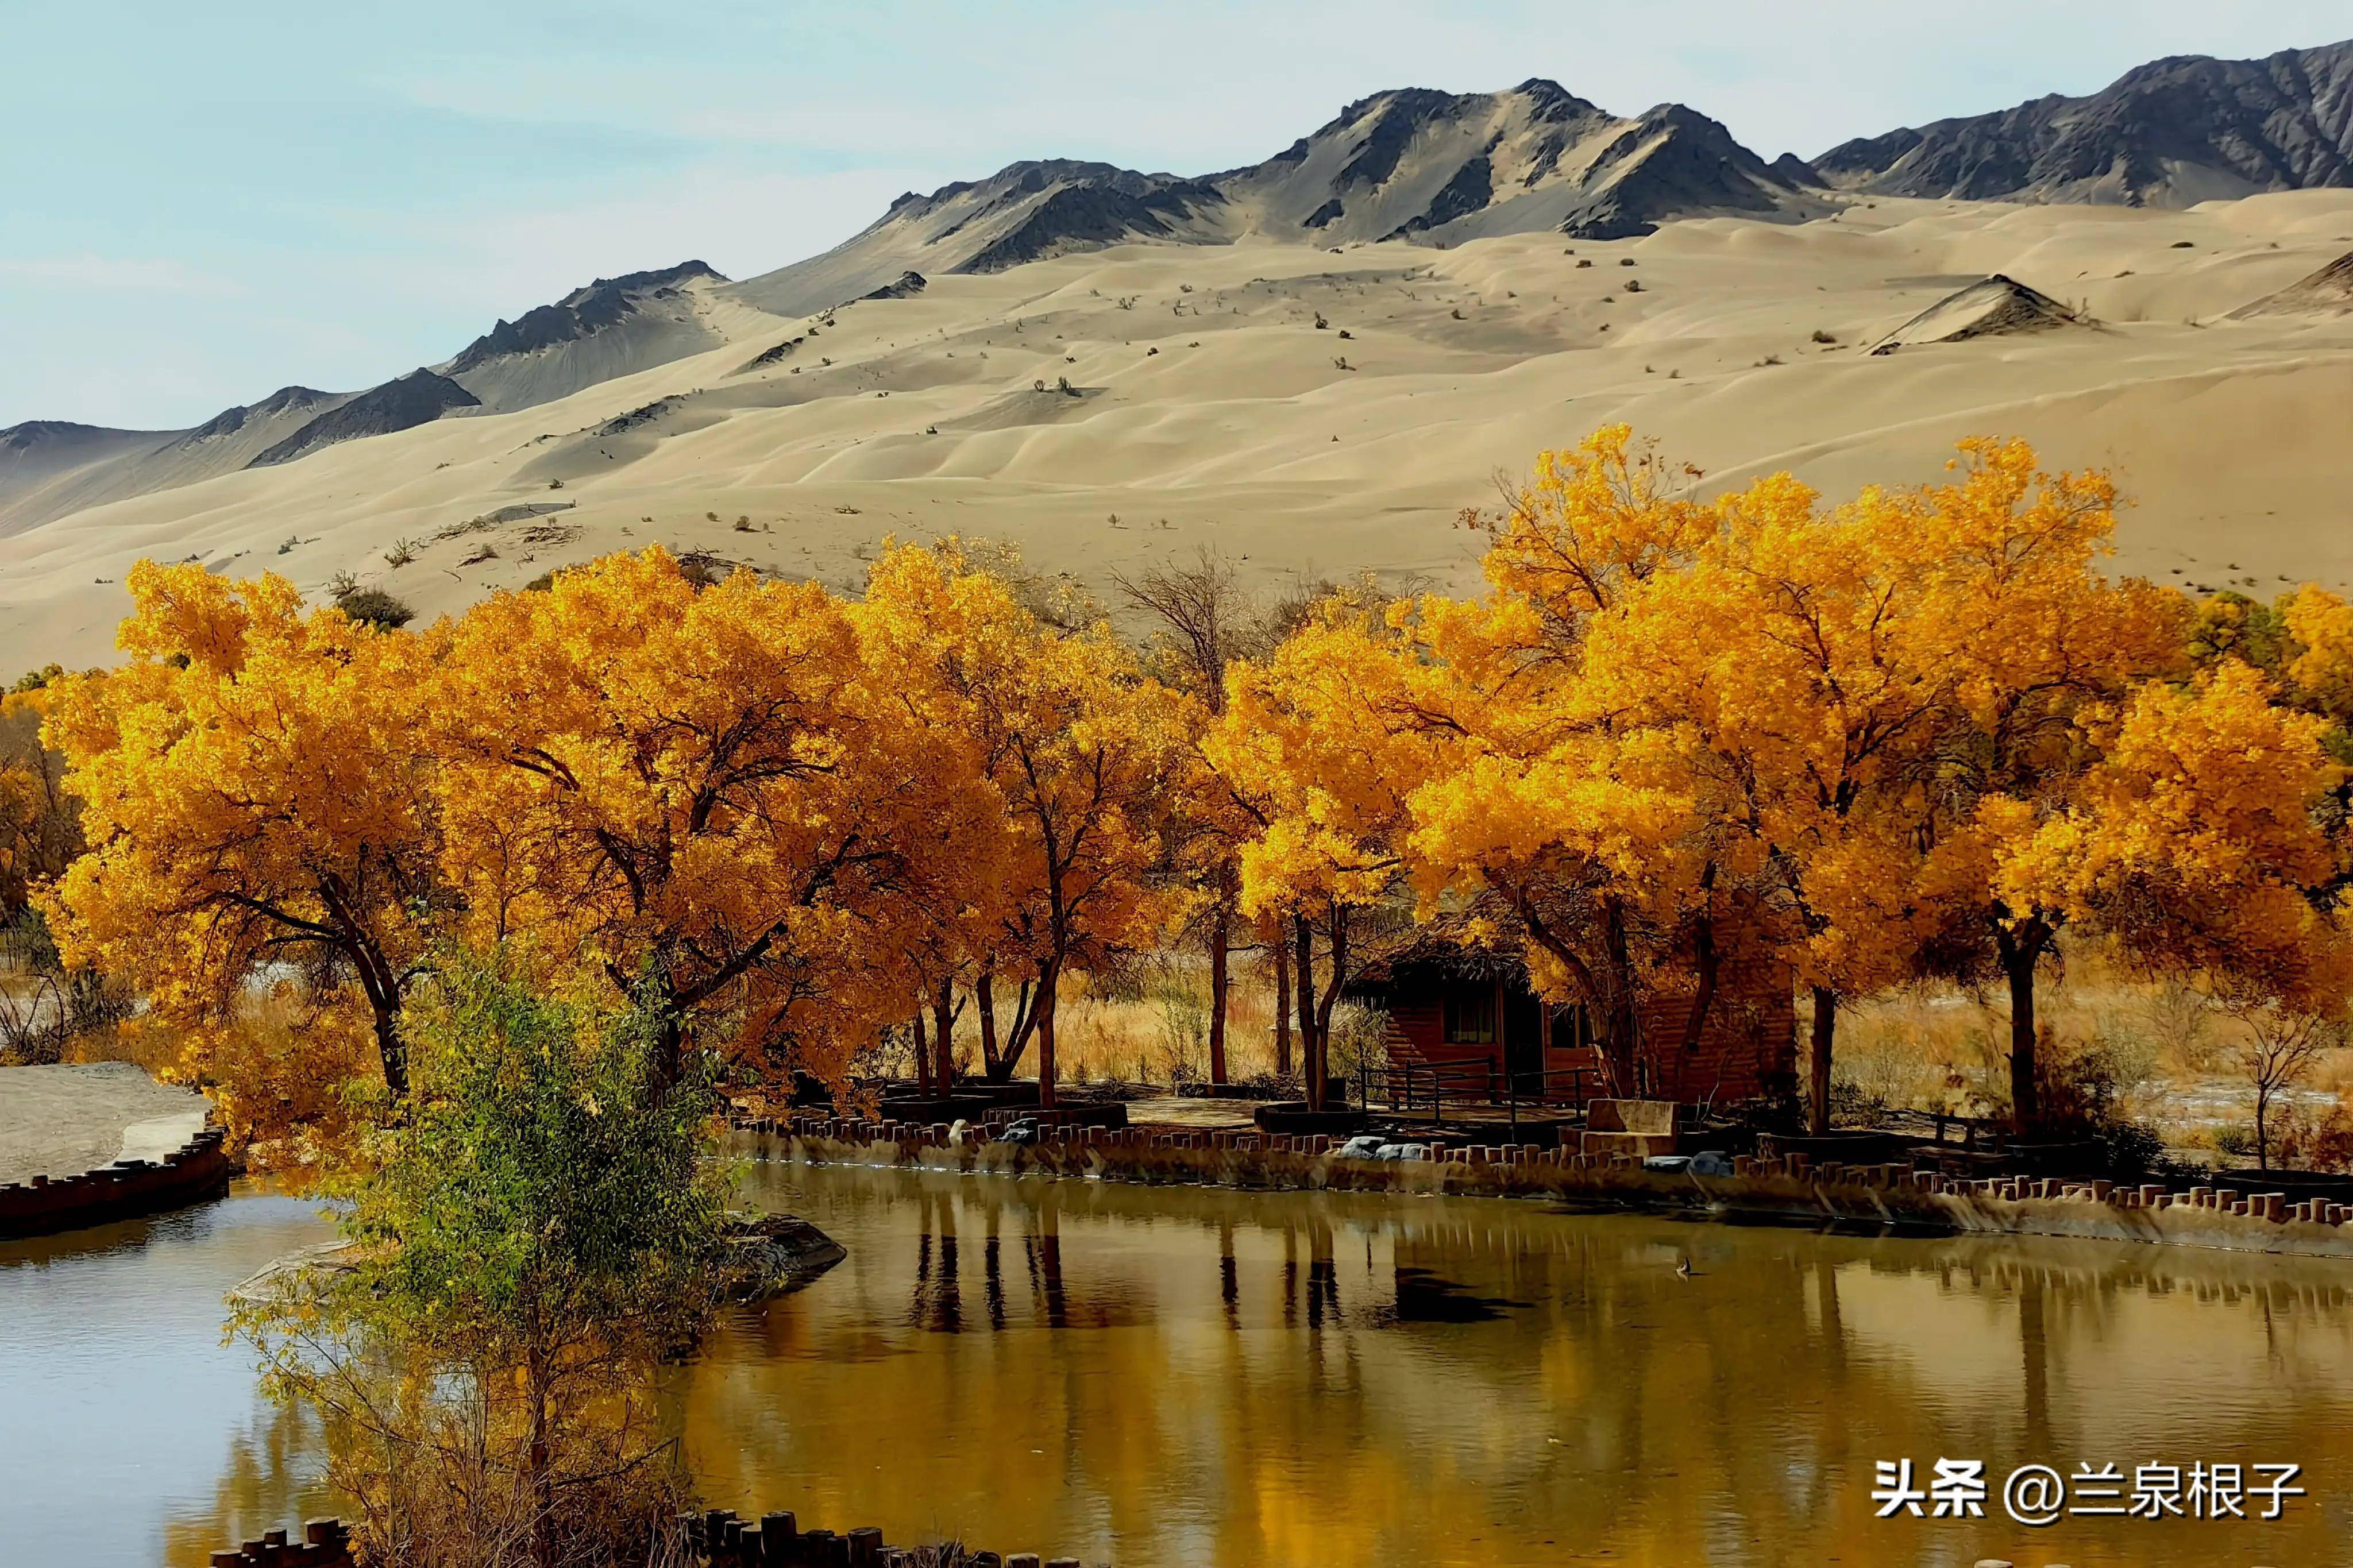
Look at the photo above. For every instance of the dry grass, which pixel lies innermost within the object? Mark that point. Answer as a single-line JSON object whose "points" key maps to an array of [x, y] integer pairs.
{"points": [[1149, 1026], [2165, 1053], [1156, 1029]]}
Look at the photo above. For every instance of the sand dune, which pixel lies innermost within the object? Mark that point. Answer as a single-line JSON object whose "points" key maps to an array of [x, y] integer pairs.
{"points": [[1207, 405]]}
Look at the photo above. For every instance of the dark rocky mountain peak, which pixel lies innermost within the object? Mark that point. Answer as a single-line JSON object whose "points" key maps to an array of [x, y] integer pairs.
{"points": [[606, 302], [413, 399], [2172, 132]]}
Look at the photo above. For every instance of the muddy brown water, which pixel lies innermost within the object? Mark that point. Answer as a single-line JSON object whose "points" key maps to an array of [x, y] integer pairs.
{"points": [[1163, 1377]]}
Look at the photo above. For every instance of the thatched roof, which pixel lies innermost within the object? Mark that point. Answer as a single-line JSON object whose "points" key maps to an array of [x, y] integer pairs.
{"points": [[1439, 953]]}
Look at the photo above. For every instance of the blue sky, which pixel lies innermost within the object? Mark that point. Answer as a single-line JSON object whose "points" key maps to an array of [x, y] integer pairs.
{"points": [[200, 205]]}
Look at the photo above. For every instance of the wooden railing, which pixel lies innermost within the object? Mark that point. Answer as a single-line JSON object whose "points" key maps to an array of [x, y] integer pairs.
{"points": [[1973, 1132], [1417, 1085], [1428, 1086]]}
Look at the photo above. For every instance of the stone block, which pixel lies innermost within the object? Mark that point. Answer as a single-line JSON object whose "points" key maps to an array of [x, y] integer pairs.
{"points": [[1640, 1145], [1654, 1118]]}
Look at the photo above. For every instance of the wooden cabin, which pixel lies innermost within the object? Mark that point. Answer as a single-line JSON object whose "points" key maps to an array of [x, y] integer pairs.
{"points": [[1457, 1007]]}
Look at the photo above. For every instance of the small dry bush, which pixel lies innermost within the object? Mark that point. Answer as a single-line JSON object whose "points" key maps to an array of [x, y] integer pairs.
{"points": [[2306, 1135], [292, 1077], [1920, 1049], [435, 1468], [51, 1013], [376, 607]]}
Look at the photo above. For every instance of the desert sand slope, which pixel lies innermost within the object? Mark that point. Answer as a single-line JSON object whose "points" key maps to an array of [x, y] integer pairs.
{"points": [[613, 327], [2329, 290], [1206, 405], [1992, 306], [47, 470]]}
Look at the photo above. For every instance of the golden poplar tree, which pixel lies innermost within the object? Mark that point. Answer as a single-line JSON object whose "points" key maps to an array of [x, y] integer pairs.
{"points": [[1778, 658], [2036, 648], [1082, 754], [256, 793], [701, 792]]}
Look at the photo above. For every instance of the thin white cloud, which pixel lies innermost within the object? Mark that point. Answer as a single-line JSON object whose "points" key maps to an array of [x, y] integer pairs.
{"points": [[1224, 82], [114, 274], [490, 262]]}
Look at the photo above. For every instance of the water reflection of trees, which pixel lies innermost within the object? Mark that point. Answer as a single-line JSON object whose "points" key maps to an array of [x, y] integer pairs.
{"points": [[1176, 1376], [269, 1479]]}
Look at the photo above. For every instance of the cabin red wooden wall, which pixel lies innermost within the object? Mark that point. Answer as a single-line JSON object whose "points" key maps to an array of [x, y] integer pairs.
{"points": [[1747, 1048]]}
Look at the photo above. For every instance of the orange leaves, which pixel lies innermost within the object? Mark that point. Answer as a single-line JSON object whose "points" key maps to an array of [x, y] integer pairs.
{"points": [[1082, 752], [2215, 780], [1083, 757], [2193, 835], [252, 791], [2321, 624], [184, 611], [763, 812], [1594, 519], [2014, 607], [775, 814], [715, 793], [1864, 725], [38, 831]]}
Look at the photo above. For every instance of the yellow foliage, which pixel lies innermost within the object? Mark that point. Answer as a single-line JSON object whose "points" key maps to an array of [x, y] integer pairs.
{"points": [[253, 794], [1083, 756], [1918, 724], [2321, 624], [710, 792], [1920, 720]]}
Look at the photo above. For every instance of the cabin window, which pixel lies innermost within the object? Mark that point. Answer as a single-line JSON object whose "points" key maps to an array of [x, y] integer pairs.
{"points": [[1470, 1015], [1572, 1029]]}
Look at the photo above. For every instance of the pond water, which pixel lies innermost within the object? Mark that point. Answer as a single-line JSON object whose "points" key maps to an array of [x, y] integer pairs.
{"points": [[1163, 1377]]}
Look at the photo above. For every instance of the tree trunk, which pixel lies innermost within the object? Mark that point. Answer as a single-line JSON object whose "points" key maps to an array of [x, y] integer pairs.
{"points": [[391, 1048], [1623, 1050], [1818, 1068], [2021, 950], [984, 997], [1335, 977], [1049, 984], [1310, 1057], [943, 1015], [922, 1053], [378, 982], [543, 1481], [2263, 1142], [1017, 1038], [670, 1044], [1220, 931], [1282, 1006], [1706, 963]]}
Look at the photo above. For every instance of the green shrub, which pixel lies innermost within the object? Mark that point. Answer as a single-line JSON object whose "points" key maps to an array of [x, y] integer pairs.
{"points": [[376, 607]]}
